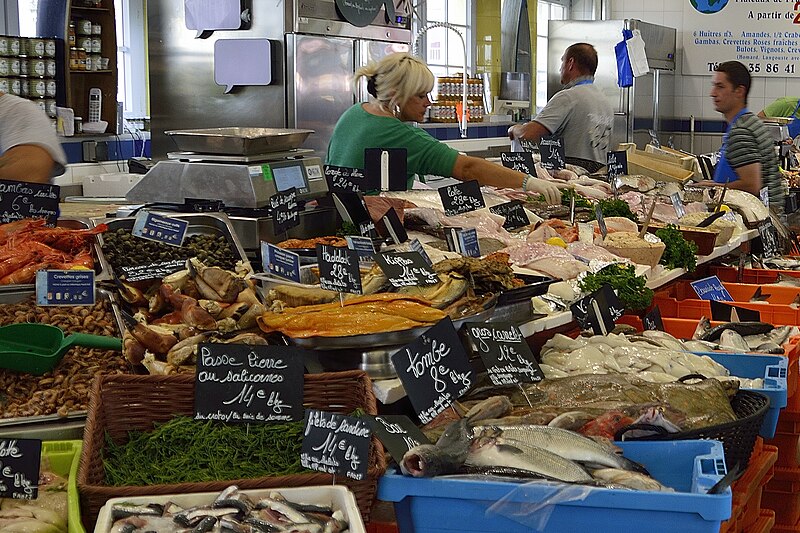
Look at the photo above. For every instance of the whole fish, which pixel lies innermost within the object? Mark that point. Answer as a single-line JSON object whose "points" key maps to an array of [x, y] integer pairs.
{"points": [[787, 281], [705, 332], [631, 480], [730, 340], [445, 457], [567, 444], [778, 335], [497, 451]]}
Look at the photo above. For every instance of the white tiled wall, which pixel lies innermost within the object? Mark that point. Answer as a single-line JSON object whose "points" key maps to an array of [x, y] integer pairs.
{"points": [[692, 91], [76, 172]]}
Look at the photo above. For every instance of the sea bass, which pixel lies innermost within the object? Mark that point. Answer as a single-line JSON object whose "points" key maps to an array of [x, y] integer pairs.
{"points": [[631, 480], [567, 444], [705, 332]]}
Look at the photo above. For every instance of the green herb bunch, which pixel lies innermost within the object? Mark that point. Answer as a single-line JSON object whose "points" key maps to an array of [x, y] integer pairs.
{"points": [[580, 201], [631, 289], [679, 252], [616, 208]]}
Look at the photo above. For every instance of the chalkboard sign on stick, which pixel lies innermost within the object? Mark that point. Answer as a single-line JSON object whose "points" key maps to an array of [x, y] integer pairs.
{"points": [[461, 197], [519, 161], [398, 433], [598, 311], [551, 149], [248, 384], [338, 269], [434, 370], [285, 210], [394, 227], [406, 269], [19, 475], [504, 351], [652, 320], [344, 179], [336, 444], [617, 163], [515, 214], [20, 200]]}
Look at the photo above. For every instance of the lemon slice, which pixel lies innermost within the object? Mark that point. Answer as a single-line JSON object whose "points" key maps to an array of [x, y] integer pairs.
{"points": [[556, 241], [724, 207]]}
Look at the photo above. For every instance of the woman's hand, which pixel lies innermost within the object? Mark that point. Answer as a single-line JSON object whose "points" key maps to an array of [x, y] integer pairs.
{"points": [[552, 194]]}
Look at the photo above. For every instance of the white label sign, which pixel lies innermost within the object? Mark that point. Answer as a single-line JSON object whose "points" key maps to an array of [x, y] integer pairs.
{"points": [[763, 35]]}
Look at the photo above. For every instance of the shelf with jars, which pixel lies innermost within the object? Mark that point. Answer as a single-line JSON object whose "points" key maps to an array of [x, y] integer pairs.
{"points": [[28, 68], [449, 95]]}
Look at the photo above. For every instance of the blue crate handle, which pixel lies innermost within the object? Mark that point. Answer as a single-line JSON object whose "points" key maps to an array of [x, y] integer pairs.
{"points": [[709, 469]]}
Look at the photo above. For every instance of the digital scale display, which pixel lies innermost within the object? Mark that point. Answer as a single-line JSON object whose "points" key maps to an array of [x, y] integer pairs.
{"points": [[289, 175]]}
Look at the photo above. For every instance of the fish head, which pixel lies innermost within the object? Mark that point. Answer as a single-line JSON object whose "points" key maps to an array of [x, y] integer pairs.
{"points": [[702, 328], [429, 460], [607, 424], [456, 435]]}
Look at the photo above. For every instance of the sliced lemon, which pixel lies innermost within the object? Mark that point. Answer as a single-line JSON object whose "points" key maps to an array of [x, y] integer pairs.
{"points": [[724, 207], [556, 241]]}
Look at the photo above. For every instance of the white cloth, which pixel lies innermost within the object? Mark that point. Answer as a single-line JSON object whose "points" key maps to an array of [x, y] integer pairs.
{"points": [[637, 54], [23, 122]]}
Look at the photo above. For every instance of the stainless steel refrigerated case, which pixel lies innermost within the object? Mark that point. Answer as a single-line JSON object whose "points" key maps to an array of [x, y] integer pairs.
{"points": [[651, 99]]}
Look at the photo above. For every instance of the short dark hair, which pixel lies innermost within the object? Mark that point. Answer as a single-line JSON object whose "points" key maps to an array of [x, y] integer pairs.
{"points": [[585, 57], [737, 74]]}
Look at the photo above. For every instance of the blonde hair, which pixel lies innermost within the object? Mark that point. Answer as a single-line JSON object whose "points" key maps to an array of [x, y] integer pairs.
{"points": [[393, 80]]}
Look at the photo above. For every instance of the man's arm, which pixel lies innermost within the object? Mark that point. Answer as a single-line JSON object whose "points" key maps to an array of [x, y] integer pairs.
{"points": [[26, 162], [749, 179], [530, 131], [488, 173]]}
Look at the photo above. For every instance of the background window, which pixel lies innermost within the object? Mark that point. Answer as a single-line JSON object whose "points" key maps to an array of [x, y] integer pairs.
{"points": [[546, 11], [441, 47]]}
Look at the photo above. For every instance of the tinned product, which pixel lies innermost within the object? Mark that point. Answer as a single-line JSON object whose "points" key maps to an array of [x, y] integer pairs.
{"points": [[38, 67], [97, 45], [50, 88], [5, 67], [85, 43], [81, 59], [94, 59], [50, 68], [15, 87], [24, 87], [71, 39], [37, 88], [3, 45], [13, 46], [36, 47], [4, 85], [97, 29], [24, 65], [50, 107], [42, 105], [13, 66], [50, 48], [84, 27], [74, 64]]}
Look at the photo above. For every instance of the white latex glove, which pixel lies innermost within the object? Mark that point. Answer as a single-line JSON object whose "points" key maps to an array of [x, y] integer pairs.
{"points": [[551, 193]]}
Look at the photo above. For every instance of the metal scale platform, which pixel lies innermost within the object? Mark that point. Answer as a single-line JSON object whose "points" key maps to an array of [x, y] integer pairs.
{"points": [[242, 168]]}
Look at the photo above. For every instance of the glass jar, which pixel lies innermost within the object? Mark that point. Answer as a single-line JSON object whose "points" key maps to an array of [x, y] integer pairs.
{"points": [[74, 64], [72, 39], [81, 59]]}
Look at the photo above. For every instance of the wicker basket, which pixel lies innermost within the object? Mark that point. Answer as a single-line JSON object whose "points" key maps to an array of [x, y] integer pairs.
{"points": [[737, 437], [122, 403]]}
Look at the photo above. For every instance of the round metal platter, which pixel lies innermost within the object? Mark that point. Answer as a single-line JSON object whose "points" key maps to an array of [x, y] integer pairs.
{"points": [[389, 338]]}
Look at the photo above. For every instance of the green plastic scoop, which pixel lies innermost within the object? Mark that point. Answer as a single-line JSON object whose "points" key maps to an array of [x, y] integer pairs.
{"points": [[37, 348]]}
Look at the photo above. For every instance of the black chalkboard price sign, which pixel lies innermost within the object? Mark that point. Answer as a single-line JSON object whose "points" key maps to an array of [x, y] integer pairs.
{"points": [[552, 152], [652, 320], [434, 370], [405, 269], [519, 161], [152, 271], [617, 163], [285, 211], [598, 311], [248, 384], [461, 197], [398, 433], [344, 179], [336, 444], [338, 269], [515, 214], [359, 12], [19, 468], [504, 352], [20, 200]]}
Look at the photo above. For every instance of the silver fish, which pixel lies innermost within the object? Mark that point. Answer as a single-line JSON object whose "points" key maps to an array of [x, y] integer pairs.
{"points": [[732, 341], [444, 457], [703, 327], [572, 420], [567, 444], [742, 328], [770, 347], [787, 281], [699, 346], [778, 335], [631, 480], [499, 452]]}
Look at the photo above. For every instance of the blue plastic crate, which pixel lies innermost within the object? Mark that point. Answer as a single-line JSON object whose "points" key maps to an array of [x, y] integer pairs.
{"points": [[773, 368], [691, 467]]}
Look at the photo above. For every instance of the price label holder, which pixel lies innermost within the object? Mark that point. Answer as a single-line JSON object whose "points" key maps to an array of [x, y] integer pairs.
{"points": [[285, 211], [338, 269], [160, 228], [434, 370], [767, 243], [731, 313], [461, 198], [386, 169], [416, 246], [393, 226], [406, 269], [351, 208], [19, 477], [451, 237], [363, 247], [20, 200], [240, 383], [468, 242], [344, 179], [551, 149], [677, 203], [504, 351], [652, 320], [156, 270], [519, 161], [617, 163], [764, 195], [601, 221], [711, 288], [515, 214], [397, 433], [367, 229], [336, 444], [280, 262], [598, 311], [65, 287]]}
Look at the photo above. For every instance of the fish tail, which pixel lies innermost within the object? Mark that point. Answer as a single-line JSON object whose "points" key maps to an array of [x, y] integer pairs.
{"points": [[633, 466]]}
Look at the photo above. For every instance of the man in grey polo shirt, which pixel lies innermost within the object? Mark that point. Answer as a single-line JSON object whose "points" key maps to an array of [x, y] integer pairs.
{"points": [[579, 113]]}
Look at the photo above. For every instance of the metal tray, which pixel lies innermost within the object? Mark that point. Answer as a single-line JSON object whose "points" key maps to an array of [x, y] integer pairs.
{"points": [[240, 141], [69, 223], [389, 338], [199, 224], [534, 286]]}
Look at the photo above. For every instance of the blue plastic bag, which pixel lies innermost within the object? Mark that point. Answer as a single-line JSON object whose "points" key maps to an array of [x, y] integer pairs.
{"points": [[624, 70]]}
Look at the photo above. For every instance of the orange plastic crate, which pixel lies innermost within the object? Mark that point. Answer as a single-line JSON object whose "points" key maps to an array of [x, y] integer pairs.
{"points": [[758, 276], [785, 504], [765, 522], [788, 445], [747, 490], [785, 528]]}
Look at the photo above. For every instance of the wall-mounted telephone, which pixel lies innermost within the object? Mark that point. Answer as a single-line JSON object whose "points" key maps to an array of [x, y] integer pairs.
{"points": [[95, 103]]}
